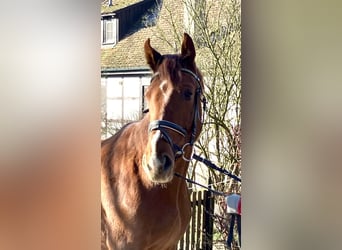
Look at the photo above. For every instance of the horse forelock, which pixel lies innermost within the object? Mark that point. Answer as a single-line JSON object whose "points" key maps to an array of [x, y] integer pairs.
{"points": [[170, 68]]}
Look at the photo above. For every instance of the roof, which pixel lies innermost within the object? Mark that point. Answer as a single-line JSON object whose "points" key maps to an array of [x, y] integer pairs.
{"points": [[129, 52], [116, 5]]}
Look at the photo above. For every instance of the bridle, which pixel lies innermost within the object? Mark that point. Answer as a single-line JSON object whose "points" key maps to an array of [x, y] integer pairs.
{"points": [[163, 125]]}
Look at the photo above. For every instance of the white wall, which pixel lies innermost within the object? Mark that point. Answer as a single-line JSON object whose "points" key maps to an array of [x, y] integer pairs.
{"points": [[122, 97]]}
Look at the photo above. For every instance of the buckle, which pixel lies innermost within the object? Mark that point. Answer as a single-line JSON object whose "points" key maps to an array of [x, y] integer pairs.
{"points": [[192, 152]]}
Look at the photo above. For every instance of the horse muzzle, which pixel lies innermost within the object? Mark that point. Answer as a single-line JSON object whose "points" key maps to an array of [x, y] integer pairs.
{"points": [[159, 162], [160, 168]]}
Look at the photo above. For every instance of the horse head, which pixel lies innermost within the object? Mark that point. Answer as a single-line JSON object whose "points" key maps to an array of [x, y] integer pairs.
{"points": [[175, 98]]}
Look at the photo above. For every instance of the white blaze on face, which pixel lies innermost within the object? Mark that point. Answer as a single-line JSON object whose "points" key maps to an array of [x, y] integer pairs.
{"points": [[153, 155], [163, 88], [154, 141]]}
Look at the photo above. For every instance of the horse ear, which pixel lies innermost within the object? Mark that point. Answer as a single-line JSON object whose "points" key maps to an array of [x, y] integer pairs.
{"points": [[188, 49], [152, 56]]}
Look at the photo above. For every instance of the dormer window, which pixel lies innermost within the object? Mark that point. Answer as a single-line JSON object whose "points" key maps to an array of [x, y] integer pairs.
{"points": [[110, 30]]}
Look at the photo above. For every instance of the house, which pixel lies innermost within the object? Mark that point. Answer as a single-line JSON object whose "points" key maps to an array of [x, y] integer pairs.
{"points": [[124, 74], [125, 26]]}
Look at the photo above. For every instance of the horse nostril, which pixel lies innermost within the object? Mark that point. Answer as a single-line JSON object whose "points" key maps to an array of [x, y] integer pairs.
{"points": [[167, 162]]}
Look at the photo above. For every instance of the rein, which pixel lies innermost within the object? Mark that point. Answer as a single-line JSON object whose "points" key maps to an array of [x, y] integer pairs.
{"points": [[162, 125], [211, 165]]}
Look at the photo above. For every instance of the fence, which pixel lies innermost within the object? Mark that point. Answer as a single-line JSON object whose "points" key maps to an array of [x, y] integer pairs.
{"points": [[199, 235]]}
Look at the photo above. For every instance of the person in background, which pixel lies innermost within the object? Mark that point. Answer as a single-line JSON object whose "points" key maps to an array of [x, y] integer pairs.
{"points": [[234, 209]]}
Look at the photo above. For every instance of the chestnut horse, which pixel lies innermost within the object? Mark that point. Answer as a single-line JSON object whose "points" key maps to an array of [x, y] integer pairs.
{"points": [[142, 205]]}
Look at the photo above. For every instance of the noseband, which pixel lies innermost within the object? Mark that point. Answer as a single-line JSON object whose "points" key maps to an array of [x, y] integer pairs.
{"points": [[162, 125]]}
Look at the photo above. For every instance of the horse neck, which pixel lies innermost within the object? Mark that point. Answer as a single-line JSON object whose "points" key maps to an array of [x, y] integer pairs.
{"points": [[142, 134]]}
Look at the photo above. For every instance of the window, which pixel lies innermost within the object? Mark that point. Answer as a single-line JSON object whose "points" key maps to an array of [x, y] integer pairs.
{"points": [[110, 31]]}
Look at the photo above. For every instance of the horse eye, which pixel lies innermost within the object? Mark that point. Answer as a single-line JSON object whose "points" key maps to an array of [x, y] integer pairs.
{"points": [[187, 94]]}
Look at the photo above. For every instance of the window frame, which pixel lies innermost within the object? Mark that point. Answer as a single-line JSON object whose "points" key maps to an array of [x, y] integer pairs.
{"points": [[109, 25]]}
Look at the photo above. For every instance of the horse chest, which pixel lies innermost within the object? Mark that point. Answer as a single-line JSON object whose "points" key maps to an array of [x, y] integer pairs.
{"points": [[155, 215]]}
